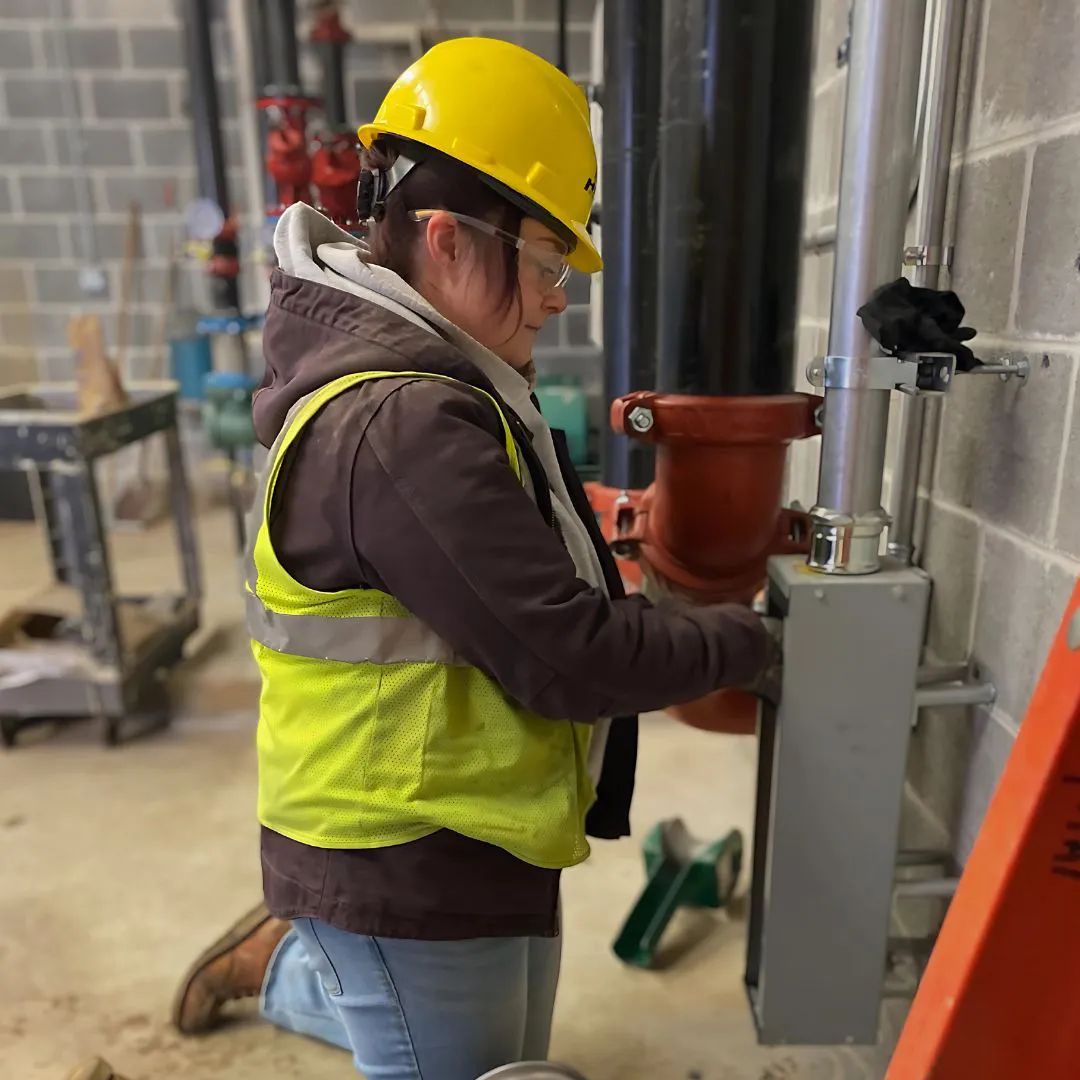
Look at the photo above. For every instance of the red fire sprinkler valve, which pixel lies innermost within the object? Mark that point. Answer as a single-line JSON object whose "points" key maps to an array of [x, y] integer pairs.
{"points": [[335, 174], [287, 159]]}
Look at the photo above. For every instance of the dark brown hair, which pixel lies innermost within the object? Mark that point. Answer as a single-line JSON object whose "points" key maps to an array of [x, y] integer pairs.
{"points": [[439, 183]]}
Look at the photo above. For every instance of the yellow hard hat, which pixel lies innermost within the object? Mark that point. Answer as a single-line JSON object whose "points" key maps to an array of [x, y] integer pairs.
{"points": [[512, 116]]}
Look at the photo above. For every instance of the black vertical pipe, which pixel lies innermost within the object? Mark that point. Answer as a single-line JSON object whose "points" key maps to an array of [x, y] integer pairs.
{"points": [[631, 109], [681, 227], [790, 86], [736, 80], [203, 104], [333, 89], [259, 45], [282, 50], [206, 125], [561, 31]]}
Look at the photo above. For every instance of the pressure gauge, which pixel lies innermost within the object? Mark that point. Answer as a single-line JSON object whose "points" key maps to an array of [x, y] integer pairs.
{"points": [[203, 219]]}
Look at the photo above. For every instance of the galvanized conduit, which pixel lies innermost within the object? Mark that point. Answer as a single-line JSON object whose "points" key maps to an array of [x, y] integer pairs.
{"points": [[879, 126], [927, 697], [947, 35]]}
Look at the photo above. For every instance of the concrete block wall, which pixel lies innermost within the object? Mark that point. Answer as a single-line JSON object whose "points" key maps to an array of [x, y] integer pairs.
{"points": [[1003, 538], [130, 90]]}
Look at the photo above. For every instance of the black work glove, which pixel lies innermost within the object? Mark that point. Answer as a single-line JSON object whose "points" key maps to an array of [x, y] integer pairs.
{"points": [[903, 318]]}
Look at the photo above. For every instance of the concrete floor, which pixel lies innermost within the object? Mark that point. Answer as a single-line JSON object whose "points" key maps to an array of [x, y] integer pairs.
{"points": [[119, 865]]}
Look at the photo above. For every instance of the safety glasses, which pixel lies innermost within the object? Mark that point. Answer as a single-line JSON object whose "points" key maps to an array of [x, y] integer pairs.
{"points": [[550, 268]]}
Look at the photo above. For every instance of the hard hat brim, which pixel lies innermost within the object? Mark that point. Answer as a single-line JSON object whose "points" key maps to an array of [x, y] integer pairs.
{"points": [[584, 258]]}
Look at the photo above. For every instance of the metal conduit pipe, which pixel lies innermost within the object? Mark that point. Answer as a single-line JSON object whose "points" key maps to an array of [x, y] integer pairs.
{"points": [[209, 150], [927, 697], [932, 889], [882, 92], [631, 103], [943, 80]]}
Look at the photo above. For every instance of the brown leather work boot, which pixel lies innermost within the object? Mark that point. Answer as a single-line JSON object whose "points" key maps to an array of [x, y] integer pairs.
{"points": [[233, 967], [95, 1069]]}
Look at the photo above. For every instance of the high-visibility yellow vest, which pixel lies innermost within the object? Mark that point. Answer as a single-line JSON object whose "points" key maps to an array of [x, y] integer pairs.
{"points": [[373, 733]]}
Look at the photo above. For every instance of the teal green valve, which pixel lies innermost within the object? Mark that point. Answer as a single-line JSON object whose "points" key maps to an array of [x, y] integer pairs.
{"points": [[227, 410], [564, 405], [680, 872]]}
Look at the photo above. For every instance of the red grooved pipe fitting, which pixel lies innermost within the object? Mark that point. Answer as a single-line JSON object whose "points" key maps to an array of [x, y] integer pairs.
{"points": [[712, 517], [707, 525]]}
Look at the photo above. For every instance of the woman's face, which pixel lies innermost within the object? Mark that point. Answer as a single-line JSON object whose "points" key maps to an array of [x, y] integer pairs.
{"points": [[466, 283]]}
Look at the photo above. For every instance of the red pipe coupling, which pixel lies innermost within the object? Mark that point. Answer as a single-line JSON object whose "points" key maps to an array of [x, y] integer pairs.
{"points": [[712, 517], [706, 527]]}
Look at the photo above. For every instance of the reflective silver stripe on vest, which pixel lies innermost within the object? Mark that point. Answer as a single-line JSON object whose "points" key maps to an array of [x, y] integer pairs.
{"points": [[368, 639]]}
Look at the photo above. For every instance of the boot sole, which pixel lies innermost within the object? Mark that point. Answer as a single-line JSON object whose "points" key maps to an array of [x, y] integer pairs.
{"points": [[239, 932]]}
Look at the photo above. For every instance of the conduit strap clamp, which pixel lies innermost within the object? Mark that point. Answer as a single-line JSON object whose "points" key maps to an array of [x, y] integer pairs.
{"points": [[928, 255], [912, 373]]}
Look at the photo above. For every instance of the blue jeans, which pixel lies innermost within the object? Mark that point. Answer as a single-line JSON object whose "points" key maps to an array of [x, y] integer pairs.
{"points": [[416, 1010]]}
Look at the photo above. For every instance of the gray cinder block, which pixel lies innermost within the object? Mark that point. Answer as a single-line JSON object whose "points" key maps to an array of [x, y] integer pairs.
{"points": [[1001, 444], [30, 97], [1032, 70], [951, 558], [992, 742], [1021, 601], [1049, 300], [987, 226], [44, 193], [156, 47], [22, 239], [129, 99], [24, 146]]}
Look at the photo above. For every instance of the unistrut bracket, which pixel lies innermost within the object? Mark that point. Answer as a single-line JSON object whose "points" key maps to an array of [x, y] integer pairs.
{"points": [[912, 373]]}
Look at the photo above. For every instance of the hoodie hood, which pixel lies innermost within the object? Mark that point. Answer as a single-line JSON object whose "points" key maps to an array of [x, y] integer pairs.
{"points": [[328, 317]]}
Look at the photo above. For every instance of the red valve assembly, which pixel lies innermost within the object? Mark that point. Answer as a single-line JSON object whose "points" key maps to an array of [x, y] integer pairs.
{"points": [[707, 525], [287, 159], [335, 164], [335, 172]]}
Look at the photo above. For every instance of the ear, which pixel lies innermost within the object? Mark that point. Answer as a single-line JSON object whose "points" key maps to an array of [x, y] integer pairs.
{"points": [[441, 237]]}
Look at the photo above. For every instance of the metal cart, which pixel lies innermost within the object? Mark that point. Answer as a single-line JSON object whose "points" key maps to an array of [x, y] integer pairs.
{"points": [[88, 652]]}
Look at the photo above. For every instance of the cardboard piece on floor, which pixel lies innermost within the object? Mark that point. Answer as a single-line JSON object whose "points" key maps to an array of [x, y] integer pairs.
{"points": [[100, 389]]}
